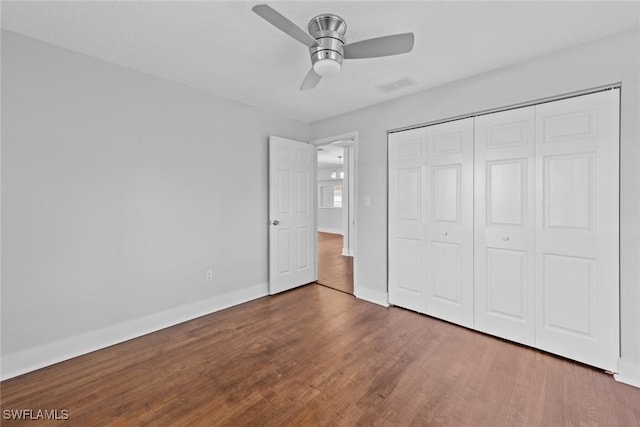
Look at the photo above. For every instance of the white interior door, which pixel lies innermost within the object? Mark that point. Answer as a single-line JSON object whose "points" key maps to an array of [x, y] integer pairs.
{"points": [[407, 219], [577, 204], [292, 207], [504, 224], [449, 221]]}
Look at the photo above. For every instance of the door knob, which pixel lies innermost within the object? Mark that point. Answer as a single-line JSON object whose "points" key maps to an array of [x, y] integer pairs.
{"points": [[275, 222], [444, 233], [505, 238]]}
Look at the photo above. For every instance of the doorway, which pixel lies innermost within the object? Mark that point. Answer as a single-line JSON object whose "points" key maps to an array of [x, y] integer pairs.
{"points": [[335, 212]]}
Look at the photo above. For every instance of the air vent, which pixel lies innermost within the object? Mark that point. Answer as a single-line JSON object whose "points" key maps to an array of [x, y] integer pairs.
{"points": [[395, 85]]}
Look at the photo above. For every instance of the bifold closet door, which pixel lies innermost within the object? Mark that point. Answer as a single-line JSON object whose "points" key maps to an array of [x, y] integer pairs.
{"points": [[577, 233], [504, 224], [407, 219], [449, 221]]}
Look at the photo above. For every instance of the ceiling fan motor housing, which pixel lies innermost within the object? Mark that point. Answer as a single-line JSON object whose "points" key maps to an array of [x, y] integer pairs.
{"points": [[329, 31]]}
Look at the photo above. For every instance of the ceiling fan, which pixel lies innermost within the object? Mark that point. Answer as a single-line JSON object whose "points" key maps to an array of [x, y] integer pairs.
{"points": [[326, 43]]}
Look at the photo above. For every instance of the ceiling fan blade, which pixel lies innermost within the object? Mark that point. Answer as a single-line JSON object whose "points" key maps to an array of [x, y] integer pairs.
{"points": [[380, 46], [283, 24], [310, 81]]}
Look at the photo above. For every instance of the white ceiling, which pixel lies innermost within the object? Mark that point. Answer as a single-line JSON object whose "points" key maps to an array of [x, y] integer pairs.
{"points": [[226, 49]]}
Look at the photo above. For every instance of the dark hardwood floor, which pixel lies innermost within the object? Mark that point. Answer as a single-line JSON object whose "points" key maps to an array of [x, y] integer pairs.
{"points": [[315, 356], [334, 270]]}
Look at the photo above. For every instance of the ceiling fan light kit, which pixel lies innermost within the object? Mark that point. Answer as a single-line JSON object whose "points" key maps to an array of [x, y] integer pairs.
{"points": [[326, 43], [327, 67]]}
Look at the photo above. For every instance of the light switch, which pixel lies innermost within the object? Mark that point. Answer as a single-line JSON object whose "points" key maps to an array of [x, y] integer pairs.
{"points": [[367, 201]]}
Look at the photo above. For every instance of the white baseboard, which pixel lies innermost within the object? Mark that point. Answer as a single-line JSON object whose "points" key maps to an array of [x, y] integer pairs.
{"points": [[347, 252], [330, 230], [33, 358], [628, 372], [376, 297]]}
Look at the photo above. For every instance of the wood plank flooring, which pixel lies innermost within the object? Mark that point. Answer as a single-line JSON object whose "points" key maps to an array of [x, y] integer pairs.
{"points": [[334, 270], [315, 356]]}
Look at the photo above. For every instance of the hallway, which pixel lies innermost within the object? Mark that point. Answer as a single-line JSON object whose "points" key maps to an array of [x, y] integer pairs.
{"points": [[334, 270]]}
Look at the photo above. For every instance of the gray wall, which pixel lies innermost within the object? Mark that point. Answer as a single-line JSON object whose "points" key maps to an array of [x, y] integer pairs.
{"points": [[118, 191], [607, 61]]}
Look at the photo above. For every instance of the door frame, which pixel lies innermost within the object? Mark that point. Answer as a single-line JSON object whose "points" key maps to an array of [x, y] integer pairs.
{"points": [[350, 172]]}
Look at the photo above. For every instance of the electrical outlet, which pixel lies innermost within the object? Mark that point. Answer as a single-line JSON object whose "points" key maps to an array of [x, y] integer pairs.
{"points": [[209, 274]]}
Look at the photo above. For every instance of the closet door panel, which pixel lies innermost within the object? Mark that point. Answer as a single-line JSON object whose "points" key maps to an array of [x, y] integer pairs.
{"points": [[577, 238], [504, 224], [407, 219], [506, 291], [445, 272], [506, 196], [445, 200], [449, 221], [406, 269]]}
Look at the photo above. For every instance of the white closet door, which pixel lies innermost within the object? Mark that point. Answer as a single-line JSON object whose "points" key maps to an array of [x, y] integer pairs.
{"points": [[407, 219], [449, 221], [504, 224], [577, 145]]}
